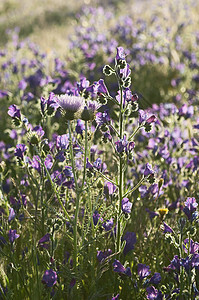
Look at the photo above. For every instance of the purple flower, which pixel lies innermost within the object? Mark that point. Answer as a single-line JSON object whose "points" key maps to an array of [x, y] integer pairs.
{"points": [[148, 170], [108, 225], [187, 263], [11, 215], [143, 271], [130, 238], [155, 279], [22, 85], [71, 105], [80, 127], [12, 235], [153, 294], [14, 112], [151, 119], [97, 164], [98, 87], [194, 246], [121, 145], [116, 297], [62, 141], [126, 205], [190, 207], [96, 217], [120, 53], [48, 162], [118, 267], [36, 163], [101, 255], [102, 118], [167, 228], [174, 265], [83, 84], [49, 278], [44, 241], [109, 188], [20, 150]]}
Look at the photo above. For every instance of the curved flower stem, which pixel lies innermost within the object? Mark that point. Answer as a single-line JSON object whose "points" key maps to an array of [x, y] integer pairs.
{"points": [[135, 187], [108, 179], [134, 133]]}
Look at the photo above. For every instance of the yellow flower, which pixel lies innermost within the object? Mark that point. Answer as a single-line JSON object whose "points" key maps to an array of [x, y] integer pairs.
{"points": [[162, 212]]}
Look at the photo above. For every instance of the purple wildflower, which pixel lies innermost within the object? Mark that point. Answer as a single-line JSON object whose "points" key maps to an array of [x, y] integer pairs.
{"points": [[44, 241], [121, 145], [190, 207], [49, 278], [118, 267], [80, 127], [126, 205], [143, 271], [14, 112], [130, 238], [194, 246], [101, 255], [109, 188], [102, 118], [120, 53], [62, 141], [11, 215], [167, 228], [108, 225], [148, 170], [155, 279], [12, 235], [153, 294], [20, 150], [98, 87]]}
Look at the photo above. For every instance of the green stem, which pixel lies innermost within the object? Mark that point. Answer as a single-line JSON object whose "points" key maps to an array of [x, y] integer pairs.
{"points": [[55, 191], [85, 154], [120, 179], [134, 133]]}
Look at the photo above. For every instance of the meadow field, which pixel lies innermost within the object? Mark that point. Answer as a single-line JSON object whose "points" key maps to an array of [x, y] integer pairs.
{"points": [[99, 150]]}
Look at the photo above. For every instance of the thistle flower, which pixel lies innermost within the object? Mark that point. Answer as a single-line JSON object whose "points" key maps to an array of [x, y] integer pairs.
{"points": [[71, 106]]}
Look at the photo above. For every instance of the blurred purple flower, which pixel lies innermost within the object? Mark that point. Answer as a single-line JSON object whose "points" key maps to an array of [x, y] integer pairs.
{"points": [[143, 271], [101, 255], [153, 294], [12, 235], [49, 278], [11, 215], [130, 238], [44, 241], [120, 53], [14, 112], [119, 268], [194, 246], [190, 207], [155, 279], [20, 150], [80, 127], [126, 205], [148, 170], [167, 228]]}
